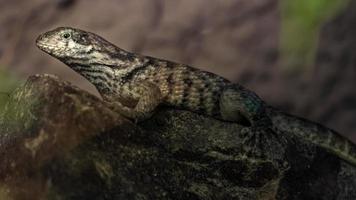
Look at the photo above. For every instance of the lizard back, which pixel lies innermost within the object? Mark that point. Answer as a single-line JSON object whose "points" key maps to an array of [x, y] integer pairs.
{"points": [[181, 85]]}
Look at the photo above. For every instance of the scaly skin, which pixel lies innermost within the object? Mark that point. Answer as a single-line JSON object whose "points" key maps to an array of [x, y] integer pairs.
{"points": [[135, 85]]}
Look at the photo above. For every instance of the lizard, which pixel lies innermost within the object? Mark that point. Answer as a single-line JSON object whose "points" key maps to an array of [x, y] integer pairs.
{"points": [[135, 84]]}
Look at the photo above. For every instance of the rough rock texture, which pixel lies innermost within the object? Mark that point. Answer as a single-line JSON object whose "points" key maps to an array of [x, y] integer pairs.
{"points": [[59, 142]]}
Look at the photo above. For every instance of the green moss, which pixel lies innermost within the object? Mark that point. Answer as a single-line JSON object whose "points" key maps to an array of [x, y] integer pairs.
{"points": [[17, 113], [8, 83], [300, 27], [4, 193]]}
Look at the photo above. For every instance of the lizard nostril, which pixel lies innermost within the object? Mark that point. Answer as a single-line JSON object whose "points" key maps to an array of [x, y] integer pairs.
{"points": [[40, 38]]}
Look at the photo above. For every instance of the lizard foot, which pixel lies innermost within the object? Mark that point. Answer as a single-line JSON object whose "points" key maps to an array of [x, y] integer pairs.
{"points": [[257, 139], [251, 142]]}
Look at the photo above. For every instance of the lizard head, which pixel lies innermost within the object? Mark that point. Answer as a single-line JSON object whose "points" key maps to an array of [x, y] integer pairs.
{"points": [[73, 46]]}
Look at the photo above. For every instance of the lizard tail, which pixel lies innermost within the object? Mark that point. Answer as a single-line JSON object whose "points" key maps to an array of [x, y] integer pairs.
{"points": [[314, 133]]}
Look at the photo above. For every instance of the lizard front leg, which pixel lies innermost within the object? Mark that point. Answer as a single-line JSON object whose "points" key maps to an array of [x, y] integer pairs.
{"points": [[137, 101]]}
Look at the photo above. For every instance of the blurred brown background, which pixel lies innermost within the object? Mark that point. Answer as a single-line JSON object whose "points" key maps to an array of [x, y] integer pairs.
{"points": [[300, 57]]}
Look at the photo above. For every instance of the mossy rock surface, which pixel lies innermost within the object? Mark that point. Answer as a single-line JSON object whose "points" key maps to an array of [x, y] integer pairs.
{"points": [[59, 142]]}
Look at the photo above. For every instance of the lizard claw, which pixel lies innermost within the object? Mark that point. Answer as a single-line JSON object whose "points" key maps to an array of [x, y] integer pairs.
{"points": [[256, 138]]}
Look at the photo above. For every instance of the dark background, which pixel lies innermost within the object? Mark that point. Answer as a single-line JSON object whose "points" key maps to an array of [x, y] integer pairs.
{"points": [[299, 56]]}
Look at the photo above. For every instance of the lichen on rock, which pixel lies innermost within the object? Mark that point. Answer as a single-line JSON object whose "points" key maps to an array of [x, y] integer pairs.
{"points": [[59, 142]]}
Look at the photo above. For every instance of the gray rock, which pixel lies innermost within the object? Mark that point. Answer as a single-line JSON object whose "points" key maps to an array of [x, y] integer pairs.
{"points": [[59, 142]]}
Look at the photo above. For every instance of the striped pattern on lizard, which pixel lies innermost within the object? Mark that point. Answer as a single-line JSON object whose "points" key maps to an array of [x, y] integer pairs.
{"points": [[135, 85]]}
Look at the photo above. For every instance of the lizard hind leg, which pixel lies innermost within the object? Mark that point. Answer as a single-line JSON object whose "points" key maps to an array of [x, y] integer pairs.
{"points": [[240, 105], [244, 107]]}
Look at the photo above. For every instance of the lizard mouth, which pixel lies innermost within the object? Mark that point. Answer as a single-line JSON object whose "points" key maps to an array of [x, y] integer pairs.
{"points": [[40, 45], [46, 47], [39, 41]]}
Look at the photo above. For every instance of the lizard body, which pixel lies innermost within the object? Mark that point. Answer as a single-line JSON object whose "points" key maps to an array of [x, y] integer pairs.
{"points": [[135, 85]]}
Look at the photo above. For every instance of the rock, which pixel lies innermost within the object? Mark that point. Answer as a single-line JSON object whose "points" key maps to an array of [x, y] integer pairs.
{"points": [[59, 142]]}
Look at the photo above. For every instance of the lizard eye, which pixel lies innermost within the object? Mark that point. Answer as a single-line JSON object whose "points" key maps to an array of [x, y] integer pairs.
{"points": [[66, 35]]}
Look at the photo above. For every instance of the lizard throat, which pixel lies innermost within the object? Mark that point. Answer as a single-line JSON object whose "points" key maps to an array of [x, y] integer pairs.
{"points": [[101, 76], [108, 78]]}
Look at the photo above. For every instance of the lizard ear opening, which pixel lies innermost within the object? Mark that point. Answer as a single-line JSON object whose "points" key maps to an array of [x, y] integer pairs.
{"points": [[82, 39]]}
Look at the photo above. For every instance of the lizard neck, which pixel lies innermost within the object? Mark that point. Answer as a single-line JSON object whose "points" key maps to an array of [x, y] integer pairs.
{"points": [[100, 76], [108, 71]]}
